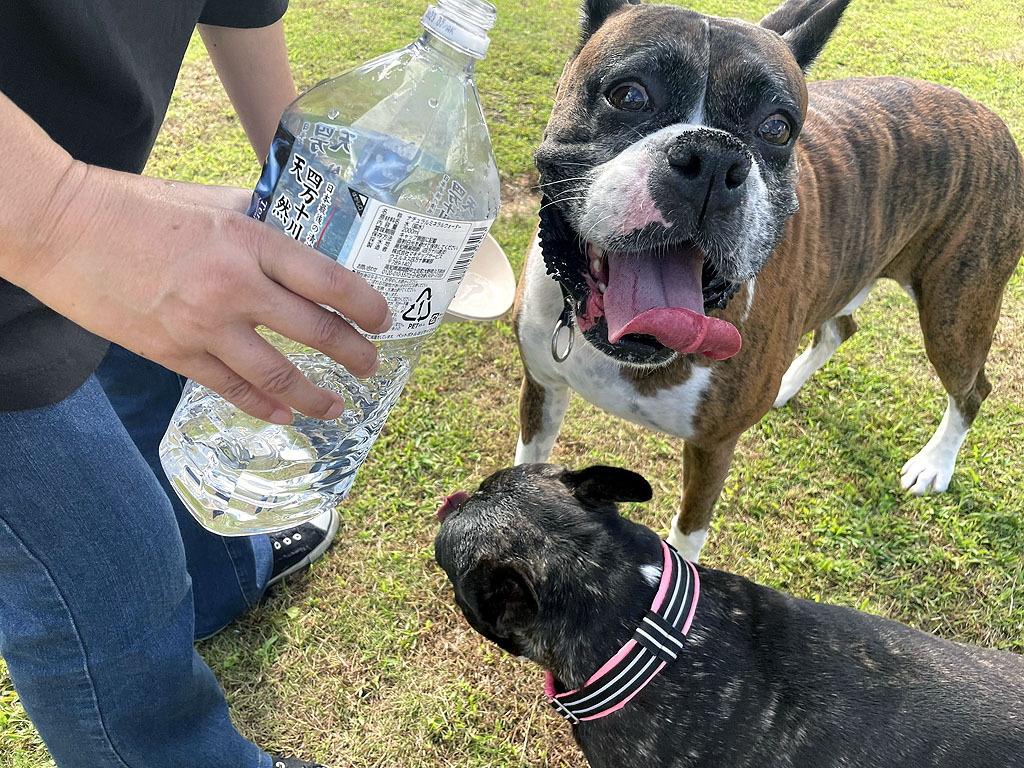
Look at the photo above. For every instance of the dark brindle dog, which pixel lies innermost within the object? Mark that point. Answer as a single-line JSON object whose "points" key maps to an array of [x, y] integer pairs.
{"points": [[687, 166], [721, 673]]}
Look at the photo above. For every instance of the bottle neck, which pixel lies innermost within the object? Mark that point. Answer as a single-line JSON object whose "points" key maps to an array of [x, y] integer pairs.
{"points": [[450, 55]]}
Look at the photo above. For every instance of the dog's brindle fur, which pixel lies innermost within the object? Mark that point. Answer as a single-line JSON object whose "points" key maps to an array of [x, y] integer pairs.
{"points": [[543, 565], [897, 179]]}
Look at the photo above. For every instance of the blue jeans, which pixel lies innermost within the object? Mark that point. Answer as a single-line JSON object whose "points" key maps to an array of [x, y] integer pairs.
{"points": [[105, 581]]}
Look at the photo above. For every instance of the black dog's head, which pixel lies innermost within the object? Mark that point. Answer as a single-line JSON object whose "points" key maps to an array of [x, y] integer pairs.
{"points": [[669, 161], [539, 554]]}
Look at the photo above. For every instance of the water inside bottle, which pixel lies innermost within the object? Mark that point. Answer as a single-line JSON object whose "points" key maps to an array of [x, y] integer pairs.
{"points": [[238, 467]]}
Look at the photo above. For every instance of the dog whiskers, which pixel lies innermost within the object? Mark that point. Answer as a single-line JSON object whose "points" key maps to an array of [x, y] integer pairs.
{"points": [[561, 181], [596, 224], [560, 200]]}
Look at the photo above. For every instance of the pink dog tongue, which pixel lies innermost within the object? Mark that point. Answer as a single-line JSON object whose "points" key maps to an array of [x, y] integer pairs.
{"points": [[451, 503], [662, 297]]}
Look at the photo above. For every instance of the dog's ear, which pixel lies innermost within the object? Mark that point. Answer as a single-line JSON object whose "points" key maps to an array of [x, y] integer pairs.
{"points": [[594, 13], [503, 598], [600, 483], [805, 25]]}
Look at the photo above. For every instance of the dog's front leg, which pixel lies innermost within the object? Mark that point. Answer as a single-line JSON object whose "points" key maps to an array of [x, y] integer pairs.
{"points": [[541, 410], [704, 472]]}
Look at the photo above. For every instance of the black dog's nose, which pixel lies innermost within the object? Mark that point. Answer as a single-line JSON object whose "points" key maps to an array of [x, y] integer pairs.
{"points": [[709, 170]]}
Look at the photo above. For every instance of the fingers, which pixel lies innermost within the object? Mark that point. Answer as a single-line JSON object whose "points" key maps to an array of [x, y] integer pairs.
{"points": [[266, 381], [318, 278], [312, 325], [259, 379], [215, 375]]}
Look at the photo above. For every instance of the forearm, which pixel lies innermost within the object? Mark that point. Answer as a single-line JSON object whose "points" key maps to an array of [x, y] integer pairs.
{"points": [[176, 273], [51, 200], [34, 177], [253, 66]]}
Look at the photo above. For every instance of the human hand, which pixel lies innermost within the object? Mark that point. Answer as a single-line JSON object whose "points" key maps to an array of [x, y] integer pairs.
{"points": [[176, 273]]}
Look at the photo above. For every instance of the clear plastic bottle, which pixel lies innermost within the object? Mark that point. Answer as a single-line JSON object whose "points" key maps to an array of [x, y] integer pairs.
{"points": [[387, 168]]}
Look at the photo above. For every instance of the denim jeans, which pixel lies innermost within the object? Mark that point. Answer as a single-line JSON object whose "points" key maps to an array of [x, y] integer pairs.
{"points": [[105, 581]]}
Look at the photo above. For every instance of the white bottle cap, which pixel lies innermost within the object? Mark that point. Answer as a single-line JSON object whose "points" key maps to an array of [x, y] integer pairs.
{"points": [[463, 23]]}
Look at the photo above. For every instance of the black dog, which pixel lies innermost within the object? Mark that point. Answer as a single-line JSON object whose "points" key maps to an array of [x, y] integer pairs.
{"points": [[543, 565]]}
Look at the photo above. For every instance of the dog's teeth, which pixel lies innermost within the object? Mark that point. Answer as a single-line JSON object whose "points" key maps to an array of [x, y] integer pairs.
{"points": [[595, 266], [597, 249], [602, 287]]}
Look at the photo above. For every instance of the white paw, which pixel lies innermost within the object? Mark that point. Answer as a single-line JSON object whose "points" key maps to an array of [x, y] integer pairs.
{"points": [[786, 392], [688, 545], [533, 452], [521, 454], [809, 361], [932, 468], [799, 372], [928, 472]]}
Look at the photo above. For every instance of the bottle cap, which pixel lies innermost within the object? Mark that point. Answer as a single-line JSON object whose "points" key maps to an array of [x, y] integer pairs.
{"points": [[463, 23]]}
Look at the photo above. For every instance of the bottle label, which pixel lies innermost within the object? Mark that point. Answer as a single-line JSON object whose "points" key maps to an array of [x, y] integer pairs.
{"points": [[416, 261]]}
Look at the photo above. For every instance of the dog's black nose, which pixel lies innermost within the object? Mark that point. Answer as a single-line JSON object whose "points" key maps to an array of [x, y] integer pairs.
{"points": [[709, 169]]}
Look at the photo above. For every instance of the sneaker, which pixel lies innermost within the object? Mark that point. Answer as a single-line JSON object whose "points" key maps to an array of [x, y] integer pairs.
{"points": [[295, 548], [291, 762]]}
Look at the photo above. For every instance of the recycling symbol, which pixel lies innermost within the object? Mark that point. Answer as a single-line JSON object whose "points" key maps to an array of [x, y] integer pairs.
{"points": [[359, 201], [420, 309]]}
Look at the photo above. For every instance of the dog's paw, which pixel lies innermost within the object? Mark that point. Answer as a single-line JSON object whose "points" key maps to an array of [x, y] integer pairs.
{"points": [[797, 375], [784, 397], [809, 361], [688, 545], [932, 468], [928, 472]]}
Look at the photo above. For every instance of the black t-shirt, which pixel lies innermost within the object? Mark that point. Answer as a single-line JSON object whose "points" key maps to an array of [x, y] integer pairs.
{"points": [[97, 75]]}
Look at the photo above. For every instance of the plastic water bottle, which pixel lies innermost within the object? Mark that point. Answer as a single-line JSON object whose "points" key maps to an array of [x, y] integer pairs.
{"points": [[389, 170]]}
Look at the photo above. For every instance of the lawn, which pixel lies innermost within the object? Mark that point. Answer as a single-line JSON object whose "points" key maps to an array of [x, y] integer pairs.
{"points": [[366, 662]]}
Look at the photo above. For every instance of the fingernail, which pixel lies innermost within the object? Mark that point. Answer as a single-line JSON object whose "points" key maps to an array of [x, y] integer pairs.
{"points": [[281, 416], [388, 322], [335, 410]]}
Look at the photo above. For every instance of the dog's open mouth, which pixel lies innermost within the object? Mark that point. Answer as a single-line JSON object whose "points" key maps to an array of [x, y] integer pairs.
{"points": [[655, 294], [640, 307]]}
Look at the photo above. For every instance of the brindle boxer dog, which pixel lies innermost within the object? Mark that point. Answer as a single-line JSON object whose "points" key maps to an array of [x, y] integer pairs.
{"points": [[699, 192]]}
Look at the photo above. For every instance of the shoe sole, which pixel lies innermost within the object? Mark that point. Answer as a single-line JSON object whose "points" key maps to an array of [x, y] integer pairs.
{"points": [[315, 554]]}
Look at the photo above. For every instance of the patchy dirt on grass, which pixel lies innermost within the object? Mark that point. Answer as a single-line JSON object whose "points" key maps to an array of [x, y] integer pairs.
{"points": [[521, 196]]}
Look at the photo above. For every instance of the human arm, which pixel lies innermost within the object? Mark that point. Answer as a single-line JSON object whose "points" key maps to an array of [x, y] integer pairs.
{"points": [[177, 274], [253, 66]]}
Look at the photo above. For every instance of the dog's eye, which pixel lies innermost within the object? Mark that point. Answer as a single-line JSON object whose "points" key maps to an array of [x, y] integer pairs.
{"points": [[630, 96], [775, 130]]}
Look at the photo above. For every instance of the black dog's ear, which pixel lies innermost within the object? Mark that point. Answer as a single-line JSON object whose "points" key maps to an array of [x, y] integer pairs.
{"points": [[594, 13], [503, 599], [600, 483], [790, 15], [805, 25]]}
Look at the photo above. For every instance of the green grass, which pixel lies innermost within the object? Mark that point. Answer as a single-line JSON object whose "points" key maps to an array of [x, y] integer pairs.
{"points": [[366, 662]]}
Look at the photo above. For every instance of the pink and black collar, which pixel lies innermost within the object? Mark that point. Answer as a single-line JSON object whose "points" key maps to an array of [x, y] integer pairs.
{"points": [[655, 644]]}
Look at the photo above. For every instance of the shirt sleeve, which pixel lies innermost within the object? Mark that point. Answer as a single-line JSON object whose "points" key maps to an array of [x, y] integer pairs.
{"points": [[242, 14]]}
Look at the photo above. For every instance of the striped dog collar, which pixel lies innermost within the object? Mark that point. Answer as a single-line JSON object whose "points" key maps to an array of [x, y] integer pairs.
{"points": [[655, 643]]}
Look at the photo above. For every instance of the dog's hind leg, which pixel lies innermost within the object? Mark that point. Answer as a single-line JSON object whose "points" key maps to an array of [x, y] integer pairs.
{"points": [[541, 410], [826, 341], [957, 271], [704, 472], [958, 321]]}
